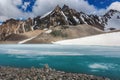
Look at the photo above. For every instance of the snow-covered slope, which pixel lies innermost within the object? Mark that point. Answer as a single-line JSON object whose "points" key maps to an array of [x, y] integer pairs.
{"points": [[112, 18], [107, 39], [113, 22]]}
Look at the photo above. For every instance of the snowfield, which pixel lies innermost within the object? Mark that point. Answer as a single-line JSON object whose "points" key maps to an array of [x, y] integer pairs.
{"points": [[107, 39], [113, 21]]}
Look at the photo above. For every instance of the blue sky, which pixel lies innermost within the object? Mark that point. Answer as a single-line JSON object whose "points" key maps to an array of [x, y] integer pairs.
{"points": [[29, 7], [33, 8], [99, 4]]}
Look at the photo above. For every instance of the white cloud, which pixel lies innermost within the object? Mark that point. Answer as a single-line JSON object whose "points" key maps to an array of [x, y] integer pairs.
{"points": [[3, 18], [43, 6], [99, 12], [115, 5], [8, 8], [17, 2]]}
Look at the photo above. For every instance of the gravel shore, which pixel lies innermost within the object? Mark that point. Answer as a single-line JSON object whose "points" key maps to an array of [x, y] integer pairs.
{"points": [[45, 73]]}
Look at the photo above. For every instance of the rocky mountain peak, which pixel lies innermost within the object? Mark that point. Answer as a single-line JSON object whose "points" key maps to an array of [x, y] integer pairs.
{"points": [[57, 8], [68, 16], [111, 19], [111, 13], [65, 8], [11, 21]]}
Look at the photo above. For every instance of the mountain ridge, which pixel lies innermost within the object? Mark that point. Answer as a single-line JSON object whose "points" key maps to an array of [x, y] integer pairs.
{"points": [[60, 16]]}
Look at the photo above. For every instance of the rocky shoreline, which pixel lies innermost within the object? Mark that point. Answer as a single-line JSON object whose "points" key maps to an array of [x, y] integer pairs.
{"points": [[45, 73]]}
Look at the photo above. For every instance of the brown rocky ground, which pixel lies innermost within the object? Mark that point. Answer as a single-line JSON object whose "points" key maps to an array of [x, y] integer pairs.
{"points": [[58, 33], [8, 42], [15, 38], [46, 73], [61, 33]]}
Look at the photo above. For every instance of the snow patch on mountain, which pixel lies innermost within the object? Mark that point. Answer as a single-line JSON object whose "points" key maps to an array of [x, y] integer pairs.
{"points": [[45, 14], [26, 40], [76, 19], [113, 22], [107, 39], [64, 16], [83, 19]]}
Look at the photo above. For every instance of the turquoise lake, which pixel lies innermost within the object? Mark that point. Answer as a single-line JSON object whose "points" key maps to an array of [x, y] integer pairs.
{"points": [[95, 60]]}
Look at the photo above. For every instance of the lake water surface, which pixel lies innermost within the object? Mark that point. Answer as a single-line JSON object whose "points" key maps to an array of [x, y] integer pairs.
{"points": [[96, 60]]}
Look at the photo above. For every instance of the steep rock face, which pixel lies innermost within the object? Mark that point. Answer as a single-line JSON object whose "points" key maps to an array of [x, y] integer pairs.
{"points": [[54, 18], [8, 27], [68, 16], [13, 26], [76, 18]]}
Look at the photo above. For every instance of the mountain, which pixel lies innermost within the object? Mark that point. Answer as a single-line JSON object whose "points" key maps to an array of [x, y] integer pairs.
{"points": [[112, 20], [61, 19], [68, 16], [13, 26]]}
